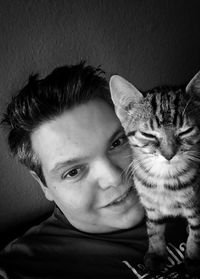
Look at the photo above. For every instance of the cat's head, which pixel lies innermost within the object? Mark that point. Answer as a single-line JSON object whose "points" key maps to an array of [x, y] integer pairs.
{"points": [[163, 123]]}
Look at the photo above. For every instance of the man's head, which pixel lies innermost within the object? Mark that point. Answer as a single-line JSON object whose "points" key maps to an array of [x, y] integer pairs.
{"points": [[43, 99], [64, 129]]}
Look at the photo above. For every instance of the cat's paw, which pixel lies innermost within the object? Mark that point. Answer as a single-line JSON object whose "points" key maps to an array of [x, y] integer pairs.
{"points": [[192, 267], [155, 262]]}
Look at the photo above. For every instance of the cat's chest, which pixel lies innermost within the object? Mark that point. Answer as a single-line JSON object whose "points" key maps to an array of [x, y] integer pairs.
{"points": [[156, 185], [164, 199], [160, 194], [166, 202]]}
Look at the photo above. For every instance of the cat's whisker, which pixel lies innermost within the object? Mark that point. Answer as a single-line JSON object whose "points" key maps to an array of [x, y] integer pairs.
{"points": [[193, 158], [193, 154], [128, 156], [129, 171], [135, 167]]}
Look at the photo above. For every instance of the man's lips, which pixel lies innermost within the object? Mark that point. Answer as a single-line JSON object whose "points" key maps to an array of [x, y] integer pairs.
{"points": [[120, 198]]}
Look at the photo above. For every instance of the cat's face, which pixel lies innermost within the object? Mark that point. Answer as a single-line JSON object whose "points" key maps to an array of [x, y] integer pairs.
{"points": [[162, 126]]}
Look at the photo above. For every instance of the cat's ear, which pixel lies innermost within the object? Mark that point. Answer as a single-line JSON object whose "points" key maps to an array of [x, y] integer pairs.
{"points": [[194, 85], [123, 93]]}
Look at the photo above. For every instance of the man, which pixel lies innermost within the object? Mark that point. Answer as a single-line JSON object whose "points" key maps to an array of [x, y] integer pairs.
{"points": [[64, 130]]}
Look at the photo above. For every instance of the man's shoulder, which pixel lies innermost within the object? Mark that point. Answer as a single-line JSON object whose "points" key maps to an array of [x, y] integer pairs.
{"points": [[50, 227], [56, 250], [55, 244]]}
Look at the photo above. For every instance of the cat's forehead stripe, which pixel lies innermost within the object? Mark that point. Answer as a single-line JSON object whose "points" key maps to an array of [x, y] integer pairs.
{"points": [[166, 105], [154, 103]]}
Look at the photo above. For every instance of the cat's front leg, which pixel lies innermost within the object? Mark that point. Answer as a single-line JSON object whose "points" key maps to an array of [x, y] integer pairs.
{"points": [[192, 254], [156, 256]]}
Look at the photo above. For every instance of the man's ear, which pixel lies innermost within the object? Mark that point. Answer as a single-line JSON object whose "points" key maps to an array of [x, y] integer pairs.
{"points": [[44, 188]]}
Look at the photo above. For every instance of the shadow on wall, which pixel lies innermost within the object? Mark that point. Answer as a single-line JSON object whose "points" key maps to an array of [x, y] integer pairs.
{"points": [[22, 202], [147, 42]]}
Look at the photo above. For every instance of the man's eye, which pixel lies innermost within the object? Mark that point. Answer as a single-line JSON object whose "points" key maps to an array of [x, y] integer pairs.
{"points": [[118, 142], [72, 173]]}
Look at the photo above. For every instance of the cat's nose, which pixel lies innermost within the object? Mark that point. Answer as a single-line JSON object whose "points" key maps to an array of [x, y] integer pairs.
{"points": [[168, 153], [169, 156]]}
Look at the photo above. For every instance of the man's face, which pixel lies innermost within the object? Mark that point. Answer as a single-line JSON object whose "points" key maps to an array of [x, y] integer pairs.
{"points": [[84, 155]]}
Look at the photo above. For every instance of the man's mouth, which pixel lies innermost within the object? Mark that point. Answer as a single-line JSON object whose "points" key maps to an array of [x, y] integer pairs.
{"points": [[120, 199]]}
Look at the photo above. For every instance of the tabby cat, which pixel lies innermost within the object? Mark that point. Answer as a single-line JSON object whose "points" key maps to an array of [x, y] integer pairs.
{"points": [[163, 128]]}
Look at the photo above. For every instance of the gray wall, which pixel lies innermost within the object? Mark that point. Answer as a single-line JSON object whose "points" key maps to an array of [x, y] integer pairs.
{"points": [[149, 42]]}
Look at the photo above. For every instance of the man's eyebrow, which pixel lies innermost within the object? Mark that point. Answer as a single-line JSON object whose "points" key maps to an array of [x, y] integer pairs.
{"points": [[66, 163]]}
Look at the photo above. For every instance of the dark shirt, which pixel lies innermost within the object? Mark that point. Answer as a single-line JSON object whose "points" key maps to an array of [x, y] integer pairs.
{"points": [[55, 249]]}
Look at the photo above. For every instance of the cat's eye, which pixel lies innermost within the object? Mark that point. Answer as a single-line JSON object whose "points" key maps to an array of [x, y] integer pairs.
{"points": [[186, 132], [148, 135]]}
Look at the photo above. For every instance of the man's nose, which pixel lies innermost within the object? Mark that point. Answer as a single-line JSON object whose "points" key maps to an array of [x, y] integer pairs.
{"points": [[109, 174]]}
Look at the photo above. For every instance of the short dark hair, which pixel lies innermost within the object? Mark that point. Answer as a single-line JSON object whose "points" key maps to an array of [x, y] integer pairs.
{"points": [[44, 99]]}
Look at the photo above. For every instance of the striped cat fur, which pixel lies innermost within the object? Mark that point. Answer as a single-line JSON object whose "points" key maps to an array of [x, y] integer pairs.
{"points": [[163, 128]]}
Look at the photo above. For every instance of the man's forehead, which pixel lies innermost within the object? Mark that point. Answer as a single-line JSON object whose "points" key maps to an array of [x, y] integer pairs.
{"points": [[75, 133]]}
